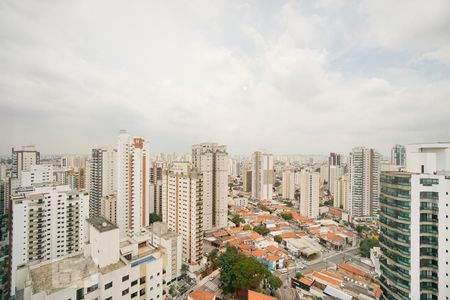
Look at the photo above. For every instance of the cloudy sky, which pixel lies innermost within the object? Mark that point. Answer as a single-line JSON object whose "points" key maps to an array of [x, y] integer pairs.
{"points": [[289, 76]]}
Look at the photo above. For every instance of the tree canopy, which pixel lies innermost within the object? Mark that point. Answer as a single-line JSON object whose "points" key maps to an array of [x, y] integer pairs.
{"points": [[240, 272], [286, 215], [261, 229], [367, 244]]}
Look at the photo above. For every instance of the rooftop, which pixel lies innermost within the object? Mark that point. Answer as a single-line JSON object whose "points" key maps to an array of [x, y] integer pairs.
{"points": [[101, 224], [56, 275], [252, 295]]}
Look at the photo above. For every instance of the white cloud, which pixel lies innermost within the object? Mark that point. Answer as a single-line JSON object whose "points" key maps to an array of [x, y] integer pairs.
{"points": [[249, 74]]}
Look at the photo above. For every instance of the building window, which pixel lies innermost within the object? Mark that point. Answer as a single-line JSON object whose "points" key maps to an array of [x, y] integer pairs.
{"points": [[134, 295], [109, 298], [142, 292], [142, 280], [125, 278], [108, 285], [92, 288], [124, 292], [133, 283]]}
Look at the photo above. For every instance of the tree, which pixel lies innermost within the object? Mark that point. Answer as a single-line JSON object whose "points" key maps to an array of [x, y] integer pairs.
{"points": [[154, 217], [236, 219], [263, 207], [366, 245], [299, 275], [184, 269], [261, 229], [286, 215], [328, 203], [278, 239], [214, 258], [240, 272], [247, 227]]}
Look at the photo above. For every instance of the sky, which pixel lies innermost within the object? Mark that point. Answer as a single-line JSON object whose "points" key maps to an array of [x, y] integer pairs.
{"points": [[288, 76]]}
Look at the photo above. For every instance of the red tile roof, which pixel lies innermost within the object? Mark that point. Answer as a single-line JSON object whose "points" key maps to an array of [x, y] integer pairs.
{"points": [[306, 281], [352, 269], [201, 295], [252, 295]]}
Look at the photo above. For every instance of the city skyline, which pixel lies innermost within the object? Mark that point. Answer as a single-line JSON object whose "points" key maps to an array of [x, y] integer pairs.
{"points": [[302, 77]]}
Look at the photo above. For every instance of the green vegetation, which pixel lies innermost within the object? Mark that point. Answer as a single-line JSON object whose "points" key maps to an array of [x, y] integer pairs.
{"points": [[286, 215], [328, 203], [239, 272], [184, 269], [263, 207], [278, 239], [366, 245], [298, 275], [236, 219], [261, 229], [247, 227], [154, 217], [213, 259]]}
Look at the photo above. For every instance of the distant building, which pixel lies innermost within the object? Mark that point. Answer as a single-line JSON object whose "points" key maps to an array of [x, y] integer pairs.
{"points": [[183, 194], [102, 177], [156, 199], [364, 182], [262, 175], [309, 193], [37, 174], [211, 159], [398, 155], [133, 184], [342, 192], [288, 185], [23, 159]]}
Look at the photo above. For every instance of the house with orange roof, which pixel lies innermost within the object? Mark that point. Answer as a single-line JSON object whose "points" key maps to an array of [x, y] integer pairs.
{"points": [[201, 295], [353, 272], [332, 241], [326, 278], [252, 295]]}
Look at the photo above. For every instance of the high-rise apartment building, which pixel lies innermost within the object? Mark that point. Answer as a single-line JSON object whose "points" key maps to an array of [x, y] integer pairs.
{"points": [[3, 171], [23, 159], [398, 155], [183, 191], [309, 193], [37, 174], [4, 197], [211, 159], [414, 221], [156, 199], [334, 173], [47, 222], [364, 182], [109, 208], [133, 184], [109, 268], [103, 177], [334, 159], [341, 194], [262, 175], [288, 185]]}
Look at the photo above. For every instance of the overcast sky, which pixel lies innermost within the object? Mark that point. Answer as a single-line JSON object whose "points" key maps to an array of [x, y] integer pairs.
{"points": [[289, 76]]}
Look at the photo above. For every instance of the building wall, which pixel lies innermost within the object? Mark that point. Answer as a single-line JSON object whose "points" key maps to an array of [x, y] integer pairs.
{"points": [[262, 175], [288, 185], [309, 193]]}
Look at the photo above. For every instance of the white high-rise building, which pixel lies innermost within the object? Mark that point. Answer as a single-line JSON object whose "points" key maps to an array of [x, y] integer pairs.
{"points": [[3, 169], [398, 155], [133, 183], [262, 175], [47, 222], [342, 192], [183, 191], [309, 193], [364, 182], [37, 174], [415, 225], [288, 185], [211, 159], [334, 173], [103, 177], [109, 268], [23, 159]]}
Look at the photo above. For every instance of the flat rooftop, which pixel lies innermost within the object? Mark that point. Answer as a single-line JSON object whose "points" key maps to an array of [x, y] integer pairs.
{"points": [[61, 274], [101, 224]]}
